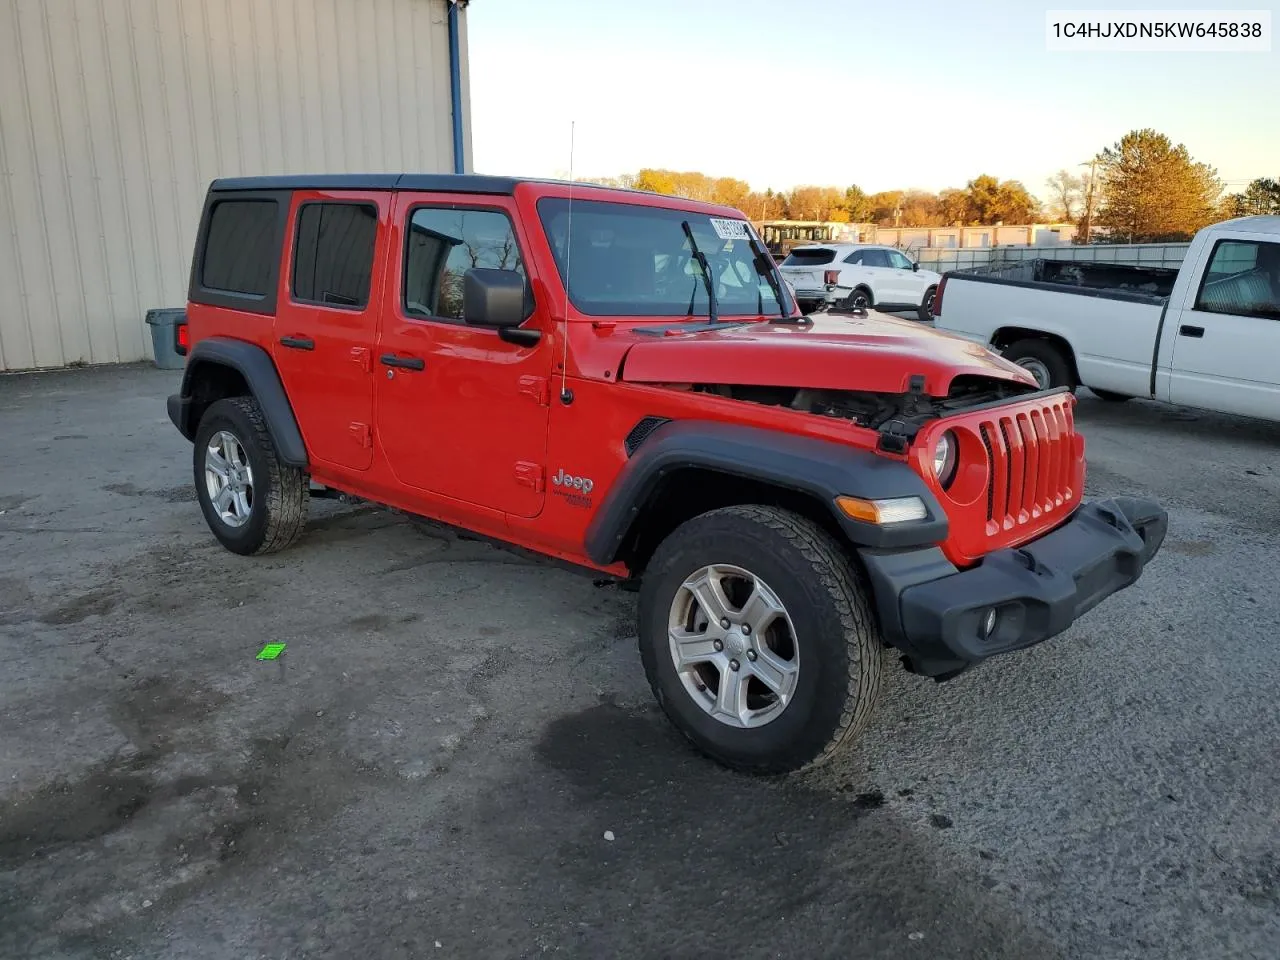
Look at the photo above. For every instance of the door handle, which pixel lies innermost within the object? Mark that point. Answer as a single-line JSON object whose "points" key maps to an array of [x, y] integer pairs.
{"points": [[408, 363], [1188, 331], [298, 343]]}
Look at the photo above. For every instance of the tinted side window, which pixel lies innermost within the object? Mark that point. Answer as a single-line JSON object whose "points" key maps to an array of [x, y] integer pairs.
{"points": [[442, 245], [875, 258], [239, 254], [333, 259], [1243, 278], [855, 257]]}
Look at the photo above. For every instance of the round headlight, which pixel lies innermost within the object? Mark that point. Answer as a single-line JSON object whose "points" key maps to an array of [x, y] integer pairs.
{"points": [[944, 459]]}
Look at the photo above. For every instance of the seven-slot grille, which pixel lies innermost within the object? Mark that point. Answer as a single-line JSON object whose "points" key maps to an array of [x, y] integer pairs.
{"points": [[1031, 462]]}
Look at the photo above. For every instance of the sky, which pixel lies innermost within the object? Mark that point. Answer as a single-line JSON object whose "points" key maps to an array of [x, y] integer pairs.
{"points": [[882, 94]]}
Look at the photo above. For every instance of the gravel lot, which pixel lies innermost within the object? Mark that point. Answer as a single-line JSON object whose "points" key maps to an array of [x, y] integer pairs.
{"points": [[433, 770]]}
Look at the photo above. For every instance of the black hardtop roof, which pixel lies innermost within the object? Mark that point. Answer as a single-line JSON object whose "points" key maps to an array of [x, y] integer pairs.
{"points": [[451, 182], [427, 182]]}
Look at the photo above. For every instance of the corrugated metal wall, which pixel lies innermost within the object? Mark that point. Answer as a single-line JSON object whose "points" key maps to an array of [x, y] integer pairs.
{"points": [[116, 114]]}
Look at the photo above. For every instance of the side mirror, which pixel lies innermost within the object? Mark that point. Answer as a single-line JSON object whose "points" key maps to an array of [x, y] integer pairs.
{"points": [[915, 268], [497, 298]]}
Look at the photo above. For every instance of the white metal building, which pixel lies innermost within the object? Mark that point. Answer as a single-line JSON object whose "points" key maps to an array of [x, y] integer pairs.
{"points": [[116, 114]]}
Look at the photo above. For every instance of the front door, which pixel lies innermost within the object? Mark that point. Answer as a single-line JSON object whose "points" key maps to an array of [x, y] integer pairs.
{"points": [[1227, 340], [908, 285], [326, 323], [461, 413]]}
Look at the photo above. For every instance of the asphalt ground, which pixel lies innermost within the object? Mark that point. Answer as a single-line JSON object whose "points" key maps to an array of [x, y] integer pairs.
{"points": [[437, 766]]}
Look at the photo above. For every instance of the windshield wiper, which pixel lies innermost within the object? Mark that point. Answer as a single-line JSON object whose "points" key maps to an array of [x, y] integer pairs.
{"points": [[770, 272], [706, 272]]}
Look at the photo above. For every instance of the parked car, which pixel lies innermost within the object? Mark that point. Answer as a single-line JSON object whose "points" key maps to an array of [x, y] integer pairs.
{"points": [[859, 276], [620, 381], [1206, 335]]}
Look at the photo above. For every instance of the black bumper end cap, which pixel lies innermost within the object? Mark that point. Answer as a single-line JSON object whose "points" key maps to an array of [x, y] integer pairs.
{"points": [[179, 408], [933, 612]]}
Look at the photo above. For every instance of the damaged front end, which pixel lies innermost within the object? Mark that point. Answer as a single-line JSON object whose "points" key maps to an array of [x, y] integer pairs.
{"points": [[896, 416]]}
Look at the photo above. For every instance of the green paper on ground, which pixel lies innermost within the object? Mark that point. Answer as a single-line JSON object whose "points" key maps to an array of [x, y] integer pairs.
{"points": [[271, 651]]}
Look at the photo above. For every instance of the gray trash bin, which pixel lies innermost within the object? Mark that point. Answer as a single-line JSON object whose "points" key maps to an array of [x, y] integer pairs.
{"points": [[162, 323]]}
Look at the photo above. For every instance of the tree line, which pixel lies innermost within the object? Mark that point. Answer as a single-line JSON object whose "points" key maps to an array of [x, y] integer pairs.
{"points": [[1142, 189]]}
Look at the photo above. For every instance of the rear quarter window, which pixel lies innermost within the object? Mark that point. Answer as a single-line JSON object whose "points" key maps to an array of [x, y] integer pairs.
{"points": [[809, 258], [238, 252], [237, 258]]}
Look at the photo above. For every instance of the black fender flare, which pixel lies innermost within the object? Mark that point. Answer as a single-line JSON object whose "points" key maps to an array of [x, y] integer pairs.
{"points": [[259, 372], [821, 469]]}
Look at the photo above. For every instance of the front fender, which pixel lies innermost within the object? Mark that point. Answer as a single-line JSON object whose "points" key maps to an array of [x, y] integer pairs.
{"points": [[817, 468]]}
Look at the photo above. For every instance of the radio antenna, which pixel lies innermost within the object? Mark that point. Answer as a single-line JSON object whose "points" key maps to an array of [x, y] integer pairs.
{"points": [[566, 395]]}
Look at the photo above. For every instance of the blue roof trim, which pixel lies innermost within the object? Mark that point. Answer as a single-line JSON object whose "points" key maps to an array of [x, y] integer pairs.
{"points": [[455, 91]]}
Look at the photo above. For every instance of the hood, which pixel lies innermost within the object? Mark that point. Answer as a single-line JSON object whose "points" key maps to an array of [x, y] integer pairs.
{"points": [[876, 353]]}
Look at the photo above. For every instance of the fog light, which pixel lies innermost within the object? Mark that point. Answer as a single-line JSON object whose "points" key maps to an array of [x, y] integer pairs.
{"points": [[989, 623]]}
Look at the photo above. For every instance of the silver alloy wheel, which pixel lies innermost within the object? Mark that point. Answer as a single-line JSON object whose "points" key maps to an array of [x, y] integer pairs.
{"points": [[1038, 370], [929, 297], [733, 646], [228, 478]]}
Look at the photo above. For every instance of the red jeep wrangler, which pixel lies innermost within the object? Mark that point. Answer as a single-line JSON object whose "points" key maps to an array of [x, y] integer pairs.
{"points": [[623, 381]]}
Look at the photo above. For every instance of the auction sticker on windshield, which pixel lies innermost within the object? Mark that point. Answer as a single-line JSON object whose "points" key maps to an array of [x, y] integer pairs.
{"points": [[729, 229]]}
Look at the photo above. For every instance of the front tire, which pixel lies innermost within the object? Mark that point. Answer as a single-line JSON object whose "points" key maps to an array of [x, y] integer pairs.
{"points": [[253, 502], [758, 639]]}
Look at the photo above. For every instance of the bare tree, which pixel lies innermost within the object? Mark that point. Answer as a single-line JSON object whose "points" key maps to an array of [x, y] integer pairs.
{"points": [[1066, 193]]}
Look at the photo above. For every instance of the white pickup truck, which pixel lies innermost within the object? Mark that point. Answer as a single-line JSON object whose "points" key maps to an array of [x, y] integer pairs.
{"points": [[1206, 335]]}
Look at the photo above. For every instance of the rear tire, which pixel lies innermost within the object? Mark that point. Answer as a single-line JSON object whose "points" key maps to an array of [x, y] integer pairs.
{"points": [[253, 502], [816, 639], [1044, 361], [926, 305], [859, 299]]}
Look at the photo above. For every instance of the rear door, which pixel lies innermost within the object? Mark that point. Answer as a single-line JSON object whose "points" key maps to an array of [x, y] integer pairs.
{"points": [[326, 320], [875, 262], [853, 271], [1226, 352]]}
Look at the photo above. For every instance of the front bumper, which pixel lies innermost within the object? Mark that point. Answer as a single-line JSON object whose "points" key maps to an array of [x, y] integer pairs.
{"points": [[934, 613]]}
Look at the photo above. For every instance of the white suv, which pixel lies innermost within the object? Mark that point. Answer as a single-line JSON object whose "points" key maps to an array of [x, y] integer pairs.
{"points": [[854, 275]]}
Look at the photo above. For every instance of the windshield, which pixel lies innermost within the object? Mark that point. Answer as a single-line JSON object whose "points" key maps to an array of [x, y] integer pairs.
{"points": [[628, 260]]}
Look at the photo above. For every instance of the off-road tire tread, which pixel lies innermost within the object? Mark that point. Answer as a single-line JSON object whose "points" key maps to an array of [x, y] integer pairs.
{"points": [[287, 498], [837, 576]]}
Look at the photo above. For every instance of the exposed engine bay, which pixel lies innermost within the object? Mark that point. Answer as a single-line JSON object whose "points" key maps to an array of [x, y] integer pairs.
{"points": [[874, 410]]}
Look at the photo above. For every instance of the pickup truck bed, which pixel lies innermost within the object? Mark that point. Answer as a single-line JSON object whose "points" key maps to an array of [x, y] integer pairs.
{"points": [[1113, 313], [1205, 335], [1084, 277]]}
